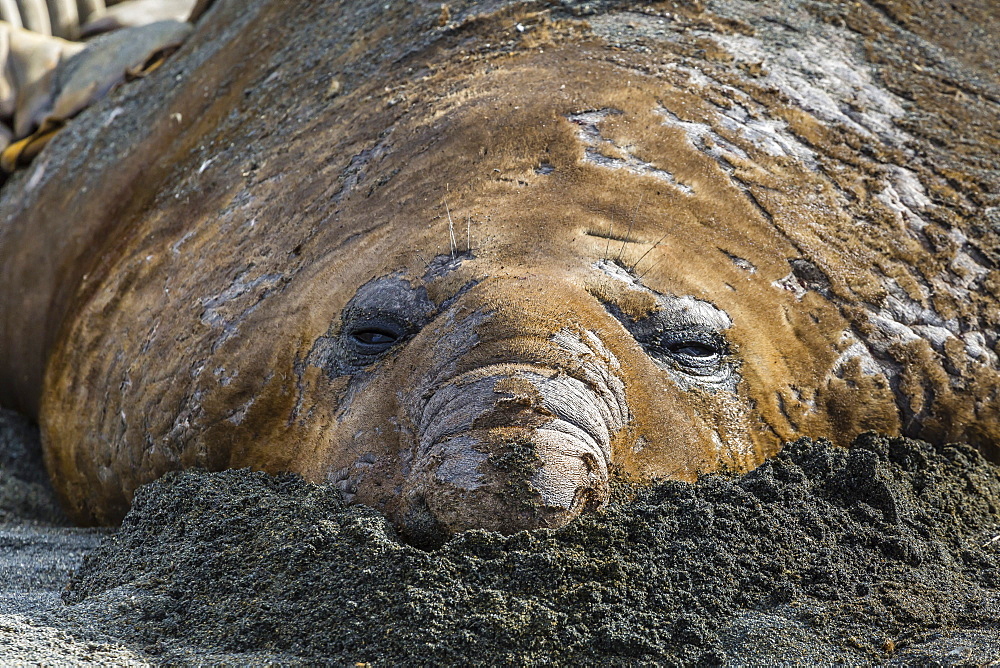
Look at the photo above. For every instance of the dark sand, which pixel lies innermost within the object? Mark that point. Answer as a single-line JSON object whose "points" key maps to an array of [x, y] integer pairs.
{"points": [[888, 553]]}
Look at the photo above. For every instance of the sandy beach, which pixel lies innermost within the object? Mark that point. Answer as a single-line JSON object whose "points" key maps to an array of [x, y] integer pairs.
{"points": [[887, 554]]}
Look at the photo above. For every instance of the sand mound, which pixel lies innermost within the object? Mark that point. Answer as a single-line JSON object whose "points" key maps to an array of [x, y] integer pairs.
{"points": [[887, 552]]}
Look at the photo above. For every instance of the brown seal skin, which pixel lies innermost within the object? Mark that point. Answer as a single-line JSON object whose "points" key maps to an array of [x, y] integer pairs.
{"points": [[468, 283]]}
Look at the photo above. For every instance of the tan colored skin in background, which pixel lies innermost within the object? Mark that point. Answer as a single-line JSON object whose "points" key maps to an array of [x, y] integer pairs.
{"points": [[177, 292]]}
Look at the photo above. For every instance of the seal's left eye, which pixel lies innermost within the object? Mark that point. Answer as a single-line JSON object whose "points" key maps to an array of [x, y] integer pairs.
{"points": [[698, 353], [694, 349]]}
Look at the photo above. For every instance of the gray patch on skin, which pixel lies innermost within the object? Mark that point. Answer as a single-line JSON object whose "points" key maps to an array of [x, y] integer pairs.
{"points": [[791, 283], [590, 135], [180, 430], [575, 448], [905, 196], [820, 75], [977, 348], [338, 475], [237, 416], [175, 247], [357, 170], [967, 272], [902, 319], [691, 311], [219, 314], [686, 310], [856, 350], [742, 263], [460, 462], [936, 336], [455, 339], [705, 139], [889, 332], [899, 306], [619, 273], [805, 276], [598, 368], [811, 276], [444, 264], [769, 135], [591, 414], [454, 407], [225, 379], [992, 214], [345, 479], [367, 459]]}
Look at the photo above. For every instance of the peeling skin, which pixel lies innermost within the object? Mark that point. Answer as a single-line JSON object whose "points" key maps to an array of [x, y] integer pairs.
{"points": [[671, 265], [607, 154]]}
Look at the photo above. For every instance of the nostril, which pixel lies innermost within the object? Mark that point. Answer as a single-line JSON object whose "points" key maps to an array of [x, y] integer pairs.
{"points": [[574, 474], [502, 479], [594, 496]]}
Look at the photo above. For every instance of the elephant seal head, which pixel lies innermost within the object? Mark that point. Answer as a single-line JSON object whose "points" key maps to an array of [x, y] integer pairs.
{"points": [[469, 295], [486, 339], [516, 391]]}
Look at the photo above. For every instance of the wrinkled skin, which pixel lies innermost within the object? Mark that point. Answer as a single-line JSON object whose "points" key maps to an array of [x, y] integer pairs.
{"points": [[467, 292]]}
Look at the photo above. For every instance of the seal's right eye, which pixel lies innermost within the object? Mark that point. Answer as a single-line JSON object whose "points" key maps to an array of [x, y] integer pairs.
{"points": [[372, 339], [379, 319], [375, 339]]}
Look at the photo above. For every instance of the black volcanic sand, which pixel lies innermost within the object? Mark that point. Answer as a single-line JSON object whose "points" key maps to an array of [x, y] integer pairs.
{"points": [[25, 492], [887, 553]]}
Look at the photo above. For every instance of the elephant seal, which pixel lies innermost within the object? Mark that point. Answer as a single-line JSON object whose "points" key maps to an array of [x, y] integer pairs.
{"points": [[473, 266]]}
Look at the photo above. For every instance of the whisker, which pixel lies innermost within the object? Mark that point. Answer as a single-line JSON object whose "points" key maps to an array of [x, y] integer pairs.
{"points": [[651, 267], [648, 252], [426, 263], [628, 233], [611, 233], [468, 234], [451, 232]]}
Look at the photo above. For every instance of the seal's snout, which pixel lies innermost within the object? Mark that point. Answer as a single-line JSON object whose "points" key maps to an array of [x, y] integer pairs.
{"points": [[508, 447]]}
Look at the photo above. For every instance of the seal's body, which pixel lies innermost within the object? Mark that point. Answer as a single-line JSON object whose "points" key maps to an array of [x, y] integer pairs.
{"points": [[469, 286]]}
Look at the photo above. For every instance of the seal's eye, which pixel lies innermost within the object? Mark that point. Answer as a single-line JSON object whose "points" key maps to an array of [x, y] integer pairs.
{"points": [[695, 349], [374, 337], [374, 340], [684, 336], [376, 322], [695, 352]]}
